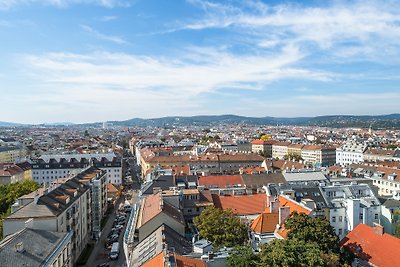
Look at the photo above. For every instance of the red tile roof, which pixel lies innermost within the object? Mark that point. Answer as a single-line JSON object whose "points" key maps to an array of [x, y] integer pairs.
{"points": [[241, 205], [222, 181], [380, 250], [265, 223]]}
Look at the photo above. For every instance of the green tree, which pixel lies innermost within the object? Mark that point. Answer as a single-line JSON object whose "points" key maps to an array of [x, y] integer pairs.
{"points": [[291, 253], [312, 230], [243, 256], [221, 227], [9, 193], [396, 221], [293, 156]]}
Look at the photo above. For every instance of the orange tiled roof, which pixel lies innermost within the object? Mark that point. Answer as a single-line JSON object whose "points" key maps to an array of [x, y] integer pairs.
{"points": [[182, 261], [157, 261], [111, 188], [293, 205], [265, 223], [380, 250], [241, 205]]}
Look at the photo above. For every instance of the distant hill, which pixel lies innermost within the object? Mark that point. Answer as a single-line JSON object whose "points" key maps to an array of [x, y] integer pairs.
{"points": [[391, 121], [9, 124]]}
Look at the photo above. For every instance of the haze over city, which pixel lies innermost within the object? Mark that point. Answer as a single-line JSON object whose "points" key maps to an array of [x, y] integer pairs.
{"points": [[99, 60]]}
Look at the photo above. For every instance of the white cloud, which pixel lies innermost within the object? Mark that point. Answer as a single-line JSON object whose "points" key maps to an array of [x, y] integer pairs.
{"points": [[118, 85], [111, 38], [342, 28]]}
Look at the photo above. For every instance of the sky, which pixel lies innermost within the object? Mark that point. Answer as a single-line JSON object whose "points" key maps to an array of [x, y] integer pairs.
{"points": [[100, 60]]}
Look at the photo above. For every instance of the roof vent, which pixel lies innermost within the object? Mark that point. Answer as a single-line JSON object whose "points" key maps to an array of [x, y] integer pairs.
{"points": [[19, 247]]}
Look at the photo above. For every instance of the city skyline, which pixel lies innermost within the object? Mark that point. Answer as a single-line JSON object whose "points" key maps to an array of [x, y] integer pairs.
{"points": [[102, 60]]}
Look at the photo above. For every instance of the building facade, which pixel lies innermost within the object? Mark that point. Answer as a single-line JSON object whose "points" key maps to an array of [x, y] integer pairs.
{"points": [[49, 168]]}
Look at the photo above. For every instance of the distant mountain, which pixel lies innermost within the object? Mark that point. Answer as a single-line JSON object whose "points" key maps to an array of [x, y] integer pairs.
{"points": [[391, 121], [57, 124], [9, 124], [376, 121]]}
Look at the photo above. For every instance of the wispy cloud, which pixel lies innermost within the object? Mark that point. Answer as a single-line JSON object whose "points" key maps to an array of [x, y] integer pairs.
{"points": [[132, 82], [109, 18], [110, 38], [341, 28], [7, 4]]}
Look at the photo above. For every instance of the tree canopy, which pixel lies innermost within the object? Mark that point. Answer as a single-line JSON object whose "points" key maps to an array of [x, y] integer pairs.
{"points": [[221, 227], [312, 230], [243, 256], [9, 193], [310, 242], [291, 253]]}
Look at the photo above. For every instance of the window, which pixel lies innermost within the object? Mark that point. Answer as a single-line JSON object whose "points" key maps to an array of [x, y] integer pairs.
{"points": [[376, 216], [340, 218], [340, 231], [334, 219]]}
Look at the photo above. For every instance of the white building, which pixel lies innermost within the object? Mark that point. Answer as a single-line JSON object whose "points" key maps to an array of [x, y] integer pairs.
{"points": [[350, 153], [49, 168], [350, 205]]}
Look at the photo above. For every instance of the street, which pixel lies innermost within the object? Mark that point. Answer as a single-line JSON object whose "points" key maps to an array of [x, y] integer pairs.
{"points": [[100, 254]]}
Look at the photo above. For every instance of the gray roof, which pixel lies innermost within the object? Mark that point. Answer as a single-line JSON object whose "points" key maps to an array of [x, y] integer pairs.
{"points": [[152, 245], [38, 246], [32, 210], [297, 176], [391, 203], [259, 180]]}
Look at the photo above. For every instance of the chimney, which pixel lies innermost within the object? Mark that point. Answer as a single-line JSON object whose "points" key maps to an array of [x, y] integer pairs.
{"points": [[274, 206], [378, 229], [268, 201], [284, 213]]}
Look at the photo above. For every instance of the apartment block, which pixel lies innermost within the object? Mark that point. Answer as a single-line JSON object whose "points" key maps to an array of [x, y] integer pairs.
{"points": [[350, 153], [49, 168], [37, 248], [68, 207]]}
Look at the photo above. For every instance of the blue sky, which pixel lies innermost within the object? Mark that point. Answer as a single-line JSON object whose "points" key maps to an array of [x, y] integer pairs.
{"points": [[99, 60]]}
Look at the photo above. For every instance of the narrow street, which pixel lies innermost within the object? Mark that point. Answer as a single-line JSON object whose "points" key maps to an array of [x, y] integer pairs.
{"points": [[100, 254]]}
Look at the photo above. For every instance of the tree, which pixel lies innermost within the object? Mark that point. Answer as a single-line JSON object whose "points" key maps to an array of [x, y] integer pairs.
{"points": [[396, 221], [243, 256], [9, 193], [309, 229], [293, 156], [221, 227], [265, 136], [291, 253]]}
